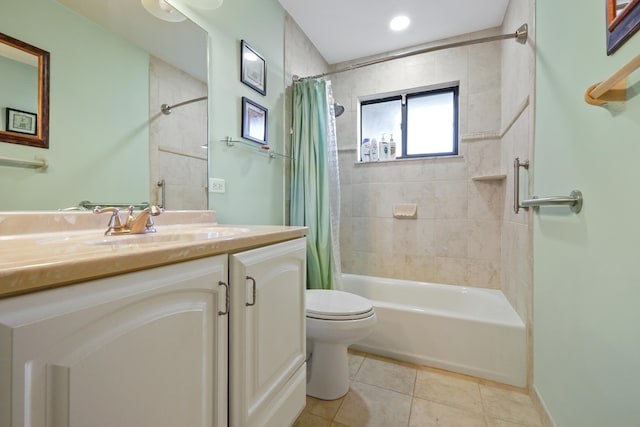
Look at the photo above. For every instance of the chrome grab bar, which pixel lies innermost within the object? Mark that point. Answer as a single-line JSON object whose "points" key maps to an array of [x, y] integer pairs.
{"points": [[516, 182], [574, 200], [162, 184]]}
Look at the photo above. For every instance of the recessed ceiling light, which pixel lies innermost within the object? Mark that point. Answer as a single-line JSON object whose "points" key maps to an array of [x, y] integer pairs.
{"points": [[163, 10], [399, 23]]}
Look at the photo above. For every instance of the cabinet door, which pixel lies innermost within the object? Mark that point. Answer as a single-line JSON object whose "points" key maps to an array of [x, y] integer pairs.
{"points": [[267, 335], [141, 349]]}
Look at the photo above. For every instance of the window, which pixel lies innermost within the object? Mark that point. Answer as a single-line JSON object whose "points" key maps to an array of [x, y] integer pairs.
{"points": [[423, 124]]}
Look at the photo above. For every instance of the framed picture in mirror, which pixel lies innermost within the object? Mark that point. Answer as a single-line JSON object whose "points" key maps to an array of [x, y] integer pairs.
{"points": [[22, 122], [623, 20], [253, 68], [254, 121]]}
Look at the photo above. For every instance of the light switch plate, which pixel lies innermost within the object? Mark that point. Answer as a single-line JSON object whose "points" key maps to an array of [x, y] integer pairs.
{"points": [[217, 185]]}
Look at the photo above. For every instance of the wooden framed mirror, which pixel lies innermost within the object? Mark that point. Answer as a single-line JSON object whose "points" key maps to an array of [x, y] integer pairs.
{"points": [[623, 20], [24, 111]]}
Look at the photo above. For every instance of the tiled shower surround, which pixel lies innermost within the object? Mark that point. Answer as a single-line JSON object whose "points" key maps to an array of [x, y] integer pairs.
{"points": [[456, 237], [184, 131], [466, 232]]}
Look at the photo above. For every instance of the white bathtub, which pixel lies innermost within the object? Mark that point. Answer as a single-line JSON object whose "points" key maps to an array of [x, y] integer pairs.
{"points": [[469, 330]]}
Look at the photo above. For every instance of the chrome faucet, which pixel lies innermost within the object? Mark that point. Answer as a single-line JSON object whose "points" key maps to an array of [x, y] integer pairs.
{"points": [[142, 223]]}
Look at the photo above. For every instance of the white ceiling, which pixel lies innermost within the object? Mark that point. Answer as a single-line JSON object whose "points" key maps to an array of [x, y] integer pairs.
{"points": [[344, 30], [183, 44]]}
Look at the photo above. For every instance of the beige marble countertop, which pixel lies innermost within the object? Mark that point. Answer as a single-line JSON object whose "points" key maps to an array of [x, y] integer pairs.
{"points": [[44, 250]]}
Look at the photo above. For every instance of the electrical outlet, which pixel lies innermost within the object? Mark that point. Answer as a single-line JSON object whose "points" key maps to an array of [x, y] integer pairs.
{"points": [[217, 185]]}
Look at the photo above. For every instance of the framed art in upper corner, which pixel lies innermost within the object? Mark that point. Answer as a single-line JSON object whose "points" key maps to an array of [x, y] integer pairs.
{"points": [[22, 122], [253, 68], [254, 121], [623, 20]]}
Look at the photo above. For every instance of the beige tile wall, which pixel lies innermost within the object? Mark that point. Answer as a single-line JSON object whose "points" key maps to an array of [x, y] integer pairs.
{"points": [[184, 130], [456, 238], [518, 80]]}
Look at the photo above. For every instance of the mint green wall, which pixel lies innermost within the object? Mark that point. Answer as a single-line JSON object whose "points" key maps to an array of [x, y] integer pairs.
{"points": [[254, 183], [99, 113], [586, 266], [18, 86]]}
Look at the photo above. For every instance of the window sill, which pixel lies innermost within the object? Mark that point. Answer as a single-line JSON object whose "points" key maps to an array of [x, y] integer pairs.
{"points": [[410, 159]]}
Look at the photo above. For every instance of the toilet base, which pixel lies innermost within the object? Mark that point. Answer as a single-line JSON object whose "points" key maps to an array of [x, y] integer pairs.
{"points": [[328, 376]]}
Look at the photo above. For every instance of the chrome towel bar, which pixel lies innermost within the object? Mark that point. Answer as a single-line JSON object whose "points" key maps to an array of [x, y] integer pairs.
{"points": [[574, 201]]}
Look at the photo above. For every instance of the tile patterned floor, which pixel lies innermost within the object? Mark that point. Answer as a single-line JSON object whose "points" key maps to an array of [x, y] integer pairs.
{"points": [[388, 393]]}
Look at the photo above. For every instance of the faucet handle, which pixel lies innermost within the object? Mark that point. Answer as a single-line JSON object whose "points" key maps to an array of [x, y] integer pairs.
{"points": [[115, 223], [153, 211]]}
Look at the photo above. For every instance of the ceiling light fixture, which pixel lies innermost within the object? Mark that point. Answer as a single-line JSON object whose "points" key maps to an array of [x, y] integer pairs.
{"points": [[163, 10], [399, 23], [206, 4]]}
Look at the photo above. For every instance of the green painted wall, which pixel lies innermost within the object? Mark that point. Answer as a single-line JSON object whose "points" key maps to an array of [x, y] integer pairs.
{"points": [[18, 86], [99, 113], [586, 266], [254, 182]]}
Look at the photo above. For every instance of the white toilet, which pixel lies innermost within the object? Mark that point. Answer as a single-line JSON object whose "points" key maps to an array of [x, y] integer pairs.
{"points": [[335, 320]]}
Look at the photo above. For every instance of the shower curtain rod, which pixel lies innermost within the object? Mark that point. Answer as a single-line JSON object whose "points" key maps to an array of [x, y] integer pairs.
{"points": [[166, 108], [520, 35]]}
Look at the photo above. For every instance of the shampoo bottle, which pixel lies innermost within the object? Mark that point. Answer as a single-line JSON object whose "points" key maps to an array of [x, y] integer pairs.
{"points": [[384, 149], [392, 148], [365, 150], [374, 150]]}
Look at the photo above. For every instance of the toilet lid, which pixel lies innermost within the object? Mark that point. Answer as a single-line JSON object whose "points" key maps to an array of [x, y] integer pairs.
{"points": [[336, 305]]}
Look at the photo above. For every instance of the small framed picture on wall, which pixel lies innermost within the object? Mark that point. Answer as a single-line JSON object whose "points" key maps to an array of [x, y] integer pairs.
{"points": [[623, 20], [253, 68], [254, 121]]}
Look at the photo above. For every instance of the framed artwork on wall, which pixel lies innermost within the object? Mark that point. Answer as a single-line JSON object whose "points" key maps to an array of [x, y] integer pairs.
{"points": [[254, 121], [253, 68], [623, 20], [22, 122]]}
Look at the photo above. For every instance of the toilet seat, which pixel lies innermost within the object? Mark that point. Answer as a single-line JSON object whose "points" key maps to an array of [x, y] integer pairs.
{"points": [[325, 304]]}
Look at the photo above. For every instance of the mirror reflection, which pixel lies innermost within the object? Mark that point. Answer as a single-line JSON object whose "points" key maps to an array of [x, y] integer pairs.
{"points": [[113, 64], [25, 93]]}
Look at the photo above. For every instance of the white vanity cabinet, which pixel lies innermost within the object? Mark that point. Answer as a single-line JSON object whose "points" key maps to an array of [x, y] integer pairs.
{"points": [[267, 379], [213, 342], [141, 349]]}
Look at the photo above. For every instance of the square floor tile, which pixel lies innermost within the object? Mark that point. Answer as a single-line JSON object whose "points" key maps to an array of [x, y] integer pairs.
{"points": [[509, 405], [307, 419], [431, 414], [370, 406], [386, 374], [323, 408], [449, 389]]}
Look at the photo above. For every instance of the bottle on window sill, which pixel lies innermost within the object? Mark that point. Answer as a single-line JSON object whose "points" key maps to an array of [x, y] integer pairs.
{"points": [[365, 150], [374, 150], [392, 148], [384, 148]]}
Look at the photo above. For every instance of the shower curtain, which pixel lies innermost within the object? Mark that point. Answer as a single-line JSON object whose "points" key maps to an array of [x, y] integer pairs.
{"points": [[315, 182]]}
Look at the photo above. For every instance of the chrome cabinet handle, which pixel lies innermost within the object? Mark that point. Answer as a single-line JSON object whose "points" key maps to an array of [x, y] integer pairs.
{"points": [[227, 299], [253, 285]]}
